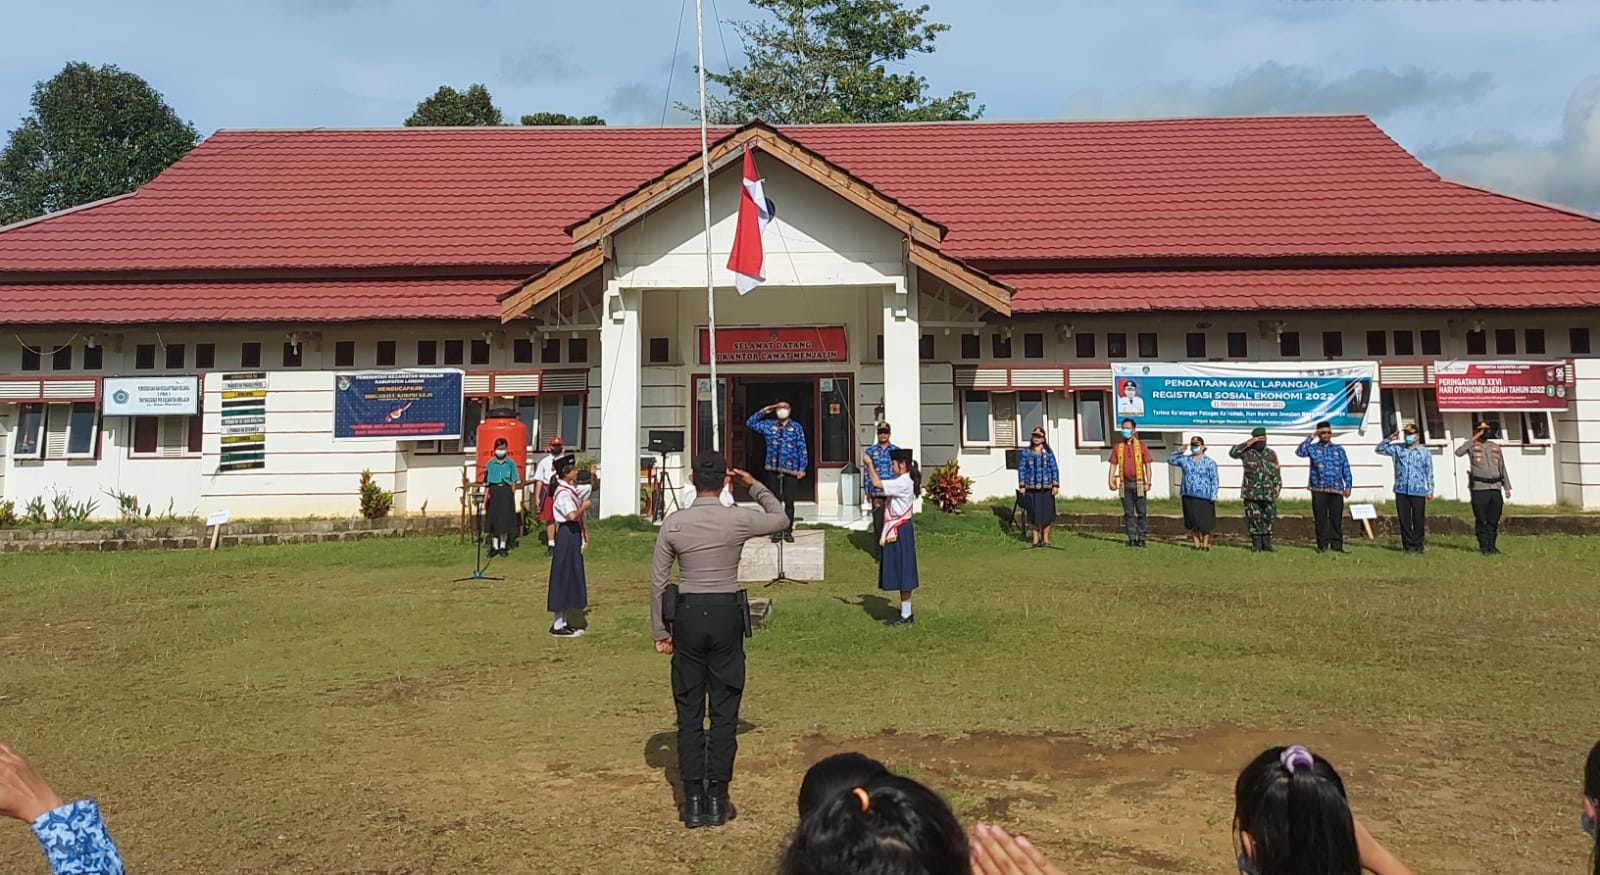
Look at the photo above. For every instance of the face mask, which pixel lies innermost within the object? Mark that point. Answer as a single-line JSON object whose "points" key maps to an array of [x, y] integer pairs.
{"points": [[1410, 439], [726, 498], [1245, 867], [1197, 450], [499, 454], [1588, 825], [1127, 433], [783, 413]]}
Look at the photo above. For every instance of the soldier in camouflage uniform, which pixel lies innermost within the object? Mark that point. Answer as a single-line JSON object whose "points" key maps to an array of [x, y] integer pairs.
{"points": [[1263, 480]]}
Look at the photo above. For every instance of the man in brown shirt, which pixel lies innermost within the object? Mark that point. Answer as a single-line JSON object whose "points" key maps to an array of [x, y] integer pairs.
{"points": [[706, 633], [1487, 479]]}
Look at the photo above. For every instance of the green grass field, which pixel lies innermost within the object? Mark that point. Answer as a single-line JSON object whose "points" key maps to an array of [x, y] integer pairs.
{"points": [[344, 708]]}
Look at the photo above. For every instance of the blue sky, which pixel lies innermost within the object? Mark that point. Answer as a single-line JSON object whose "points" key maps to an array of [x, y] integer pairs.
{"points": [[1503, 93]]}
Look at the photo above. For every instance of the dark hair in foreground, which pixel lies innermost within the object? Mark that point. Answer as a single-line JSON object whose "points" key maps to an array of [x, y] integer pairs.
{"points": [[1591, 789], [1293, 805], [905, 829], [837, 774]]}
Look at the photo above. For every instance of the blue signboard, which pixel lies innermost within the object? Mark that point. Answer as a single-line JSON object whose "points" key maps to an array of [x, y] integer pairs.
{"points": [[397, 406], [1240, 398]]}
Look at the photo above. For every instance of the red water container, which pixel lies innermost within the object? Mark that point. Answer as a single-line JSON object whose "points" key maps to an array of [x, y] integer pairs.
{"points": [[503, 423]]}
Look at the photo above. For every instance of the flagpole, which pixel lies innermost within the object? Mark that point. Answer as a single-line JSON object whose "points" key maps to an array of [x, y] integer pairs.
{"points": [[705, 191]]}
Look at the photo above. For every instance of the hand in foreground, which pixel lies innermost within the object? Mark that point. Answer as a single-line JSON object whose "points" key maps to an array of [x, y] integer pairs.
{"points": [[23, 791], [664, 646], [741, 477], [996, 853], [800, 476]]}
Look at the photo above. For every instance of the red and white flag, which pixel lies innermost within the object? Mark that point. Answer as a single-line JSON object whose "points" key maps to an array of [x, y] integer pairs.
{"points": [[747, 260]]}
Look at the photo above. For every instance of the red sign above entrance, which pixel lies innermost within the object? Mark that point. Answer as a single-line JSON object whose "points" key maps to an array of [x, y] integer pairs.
{"points": [[1480, 386], [765, 346]]}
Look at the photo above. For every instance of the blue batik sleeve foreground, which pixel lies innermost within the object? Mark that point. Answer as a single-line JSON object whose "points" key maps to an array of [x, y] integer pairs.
{"points": [[75, 841]]}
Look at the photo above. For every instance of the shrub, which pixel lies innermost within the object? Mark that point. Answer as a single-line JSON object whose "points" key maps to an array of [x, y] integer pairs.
{"points": [[376, 502], [64, 510], [948, 488], [35, 511], [8, 514]]}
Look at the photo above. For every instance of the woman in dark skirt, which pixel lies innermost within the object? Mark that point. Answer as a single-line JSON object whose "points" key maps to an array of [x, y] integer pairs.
{"points": [[897, 566], [1199, 491], [1038, 482], [500, 510], [569, 590]]}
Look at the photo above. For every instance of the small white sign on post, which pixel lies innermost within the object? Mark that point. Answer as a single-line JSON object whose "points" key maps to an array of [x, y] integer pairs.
{"points": [[1366, 513], [216, 520]]}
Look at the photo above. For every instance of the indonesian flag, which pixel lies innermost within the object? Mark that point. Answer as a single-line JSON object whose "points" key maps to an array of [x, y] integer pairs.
{"points": [[747, 260]]}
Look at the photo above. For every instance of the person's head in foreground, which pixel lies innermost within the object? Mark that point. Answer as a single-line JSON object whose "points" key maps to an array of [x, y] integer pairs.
{"points": [[782, 410], [1591, 803], [887, 826], [710, 472], [1259, 436], [1197, 445], [1129, 428], [1325, 431], [1290, 817], [567, 469], [1411, 435], [835, 775]]}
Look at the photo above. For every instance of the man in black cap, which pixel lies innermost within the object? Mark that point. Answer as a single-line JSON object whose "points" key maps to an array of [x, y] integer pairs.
{"points": [[704, 626], [1487, 478]]}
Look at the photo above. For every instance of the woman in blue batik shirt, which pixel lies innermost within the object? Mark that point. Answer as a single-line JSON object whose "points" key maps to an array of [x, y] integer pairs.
{"points": [[1199, 491], [73, 835], [787, 459], [1413, 484], [1038, 483]]}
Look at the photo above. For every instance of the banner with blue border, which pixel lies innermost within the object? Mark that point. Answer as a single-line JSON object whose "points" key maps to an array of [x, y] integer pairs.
{"points": [[406, 405], [1242, 397]]}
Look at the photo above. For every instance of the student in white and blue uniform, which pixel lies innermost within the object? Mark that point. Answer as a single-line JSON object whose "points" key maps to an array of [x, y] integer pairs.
{"points": [[569, 588], [897, 566]]}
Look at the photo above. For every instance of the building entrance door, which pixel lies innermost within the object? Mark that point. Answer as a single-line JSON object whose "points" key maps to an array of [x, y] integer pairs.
{"points": [[748, 450]]}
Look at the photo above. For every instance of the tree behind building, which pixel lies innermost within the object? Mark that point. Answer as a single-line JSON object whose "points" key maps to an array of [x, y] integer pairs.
{"points": [[826, 62], [448, 107], [93, 133]]}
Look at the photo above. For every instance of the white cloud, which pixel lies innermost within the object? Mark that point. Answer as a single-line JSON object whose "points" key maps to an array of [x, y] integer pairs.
{"points": [[1564, 170]]}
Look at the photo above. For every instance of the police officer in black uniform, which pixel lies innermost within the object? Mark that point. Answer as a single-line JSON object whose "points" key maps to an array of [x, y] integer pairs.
{"points": [[702, 623]]}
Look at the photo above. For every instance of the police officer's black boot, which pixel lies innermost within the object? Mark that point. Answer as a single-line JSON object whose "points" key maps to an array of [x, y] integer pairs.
{"points": [[694, 812], [719, 809], [1255, 543], [1266, 544]]}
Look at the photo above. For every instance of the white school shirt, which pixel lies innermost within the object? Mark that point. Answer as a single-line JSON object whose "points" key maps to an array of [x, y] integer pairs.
{"points": [[545, 470], [566, 501], [901, 494]]}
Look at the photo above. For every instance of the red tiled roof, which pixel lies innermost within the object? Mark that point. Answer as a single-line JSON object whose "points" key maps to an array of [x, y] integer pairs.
{"points": [[252, 301], [1400, 288], [1033, 191]]}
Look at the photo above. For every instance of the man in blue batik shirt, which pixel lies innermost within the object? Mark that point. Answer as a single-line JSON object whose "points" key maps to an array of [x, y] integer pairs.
{"points": [[1329, 481], [787, 458], [72, 835], [879, 454]]}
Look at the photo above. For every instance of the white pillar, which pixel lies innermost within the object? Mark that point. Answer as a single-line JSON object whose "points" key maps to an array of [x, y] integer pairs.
{"points": [[1577, 468], [619, 401], [902, 363]]}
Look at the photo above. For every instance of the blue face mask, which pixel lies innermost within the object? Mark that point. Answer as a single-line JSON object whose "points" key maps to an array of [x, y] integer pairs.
{"points": [[1196, 450], [1245, 867], [1588, 825], [1410, 439], [499, 454], [1127, 433]]}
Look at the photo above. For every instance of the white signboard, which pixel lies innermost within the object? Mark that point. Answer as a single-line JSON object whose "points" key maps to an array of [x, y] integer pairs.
{"points": [[1363, 511], [151, 396], [217, 518]]}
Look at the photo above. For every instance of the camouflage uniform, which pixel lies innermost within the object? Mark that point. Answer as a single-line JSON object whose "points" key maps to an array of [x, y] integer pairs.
{"points": [[1261, 485]]}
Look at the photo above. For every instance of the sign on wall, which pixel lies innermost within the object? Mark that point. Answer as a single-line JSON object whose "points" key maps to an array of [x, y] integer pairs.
{"points": [[244, 422], [150, 396], [1501, 386], [763, 346], [1242, 397], [397, 405]]}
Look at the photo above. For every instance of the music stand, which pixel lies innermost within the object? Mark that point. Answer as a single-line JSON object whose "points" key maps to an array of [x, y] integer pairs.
{"points": [[783, 578], [476, 497]]}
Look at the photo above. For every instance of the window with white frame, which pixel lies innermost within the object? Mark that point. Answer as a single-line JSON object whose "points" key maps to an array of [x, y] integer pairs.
{"points": [[1000, 419], [1496, 421], [166, 437], [1536, 428], [562, 413], [58, 431], [1420, 407], [1093, 417]]}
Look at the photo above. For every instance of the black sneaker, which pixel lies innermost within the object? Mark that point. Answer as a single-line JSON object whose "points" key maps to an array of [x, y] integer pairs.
{"points": [[788, 537], [566, 632], [720, 810], [902, 621]]}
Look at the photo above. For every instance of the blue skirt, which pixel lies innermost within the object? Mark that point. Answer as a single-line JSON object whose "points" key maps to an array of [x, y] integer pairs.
{"points": [[569, 590], [897, 570]]}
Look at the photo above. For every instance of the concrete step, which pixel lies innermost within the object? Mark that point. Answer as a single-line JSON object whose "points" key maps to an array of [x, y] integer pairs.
{"points": [[802, 560]]}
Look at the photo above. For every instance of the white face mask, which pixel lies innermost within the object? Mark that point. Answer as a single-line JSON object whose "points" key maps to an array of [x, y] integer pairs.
{"points": [[499, 454], [783, 413]]}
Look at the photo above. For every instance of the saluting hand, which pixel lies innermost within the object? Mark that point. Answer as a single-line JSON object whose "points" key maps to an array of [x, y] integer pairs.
{"points": [[23, 791], [993, 852], [741, 477], [664, 647]]}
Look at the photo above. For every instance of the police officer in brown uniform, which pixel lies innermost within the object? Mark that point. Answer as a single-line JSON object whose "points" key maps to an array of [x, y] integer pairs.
{"points": [[702, 623], [1487, 479]]}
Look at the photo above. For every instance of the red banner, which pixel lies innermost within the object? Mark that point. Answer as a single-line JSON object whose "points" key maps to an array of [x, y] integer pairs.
{"points": [[765, 346], [1496, 386]]}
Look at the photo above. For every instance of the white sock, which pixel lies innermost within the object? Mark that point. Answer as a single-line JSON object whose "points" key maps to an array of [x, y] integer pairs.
{"points": [[499, 543], [905, 609], [561, 620], [552, 542]]}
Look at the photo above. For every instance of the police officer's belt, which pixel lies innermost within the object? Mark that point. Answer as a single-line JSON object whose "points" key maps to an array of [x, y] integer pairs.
{"points": [[711, 598]]}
